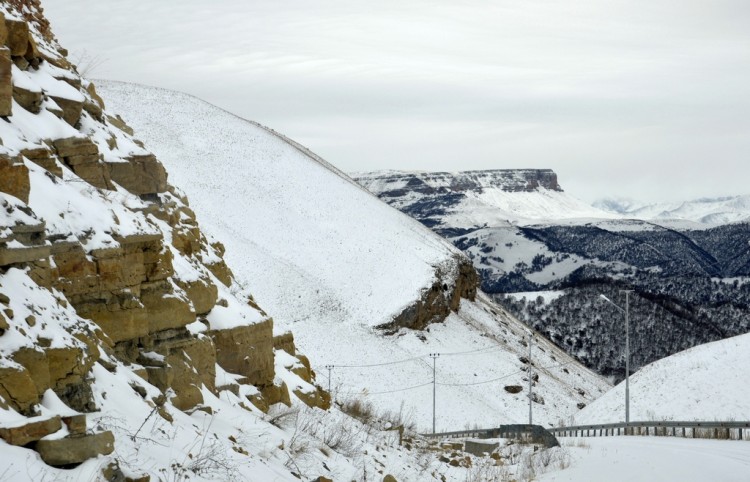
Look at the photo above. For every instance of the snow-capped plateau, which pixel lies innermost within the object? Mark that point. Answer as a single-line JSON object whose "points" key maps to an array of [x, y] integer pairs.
{"points": [[479, 198]]}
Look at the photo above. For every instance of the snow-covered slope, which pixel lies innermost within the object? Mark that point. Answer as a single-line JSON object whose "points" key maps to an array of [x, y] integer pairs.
{"points": [[706, 382], [301, 233], [330, 261]]}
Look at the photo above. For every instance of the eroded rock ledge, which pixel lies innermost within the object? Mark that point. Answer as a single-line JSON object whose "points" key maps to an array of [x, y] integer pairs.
{"points": [[457, 281]]}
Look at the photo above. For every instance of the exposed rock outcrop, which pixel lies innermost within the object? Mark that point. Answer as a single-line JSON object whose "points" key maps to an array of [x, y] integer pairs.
{"points": [[94, 273], [437, 302]]}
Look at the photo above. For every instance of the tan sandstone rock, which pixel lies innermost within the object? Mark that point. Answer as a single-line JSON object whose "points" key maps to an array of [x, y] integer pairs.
{"points": [[247, 351], [140, 175], [6, 83], [82, 156], [318, 398], [3, 29], [18, 389], [17, 36], [71, 109], [202, 293], [14, 178], [74, 450], [31, 100], [32, 431], [43, 157]]}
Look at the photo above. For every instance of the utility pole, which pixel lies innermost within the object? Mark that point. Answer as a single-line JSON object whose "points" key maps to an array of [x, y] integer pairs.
{"points": [[626, 311], [329, 368], [627, 358], [434, 392], [530, 340]]}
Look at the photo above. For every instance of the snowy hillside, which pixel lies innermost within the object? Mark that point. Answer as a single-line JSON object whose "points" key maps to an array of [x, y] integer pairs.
{"points": [[706, 382], [330, 261]]}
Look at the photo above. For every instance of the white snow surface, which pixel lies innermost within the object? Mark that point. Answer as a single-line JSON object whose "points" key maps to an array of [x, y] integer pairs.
{"points": [[329, 261], [652, 459], [707, 382]]}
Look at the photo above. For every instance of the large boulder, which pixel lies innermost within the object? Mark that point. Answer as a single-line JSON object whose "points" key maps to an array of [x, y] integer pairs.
{"points": [[17, 388], [42, 156], [74, 450], [29, 99], [315, 398], [14, 178], [3, 29], [30, 431], [82, 156], [17, 36], [202, 293], [140, 175], [71, 109], [247, 351], [165, 309]]}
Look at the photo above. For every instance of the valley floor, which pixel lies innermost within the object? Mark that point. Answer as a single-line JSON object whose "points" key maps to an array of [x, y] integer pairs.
{"points": [[657, 459]]}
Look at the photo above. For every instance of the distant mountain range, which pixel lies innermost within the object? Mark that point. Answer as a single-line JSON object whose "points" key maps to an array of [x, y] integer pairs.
{"points": [[547, 256], [713, 211]]}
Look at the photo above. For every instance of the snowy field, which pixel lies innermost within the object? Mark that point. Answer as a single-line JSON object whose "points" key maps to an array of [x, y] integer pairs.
{"points": [[653, 459]]}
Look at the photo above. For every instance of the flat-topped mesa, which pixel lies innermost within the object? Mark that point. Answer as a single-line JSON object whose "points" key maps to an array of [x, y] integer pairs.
{"points": [[397, 183]]}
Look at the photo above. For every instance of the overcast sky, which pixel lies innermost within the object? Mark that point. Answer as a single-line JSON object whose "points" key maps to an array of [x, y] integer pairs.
{"points": [[647, 99]]}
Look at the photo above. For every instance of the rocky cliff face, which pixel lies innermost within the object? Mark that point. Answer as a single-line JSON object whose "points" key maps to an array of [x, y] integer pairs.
{"points": [[103, 264]]}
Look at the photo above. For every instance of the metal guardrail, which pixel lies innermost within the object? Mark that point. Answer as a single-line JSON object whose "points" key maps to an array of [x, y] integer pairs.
{"points": [[530, 433], [535, 433], [695, 429]]}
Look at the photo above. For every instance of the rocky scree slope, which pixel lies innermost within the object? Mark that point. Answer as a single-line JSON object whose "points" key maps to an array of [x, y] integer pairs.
{"points": [[364, 287], [689, 278], [115, 309]]}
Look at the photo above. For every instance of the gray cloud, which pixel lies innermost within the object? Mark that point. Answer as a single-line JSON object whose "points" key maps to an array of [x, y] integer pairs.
{"points": [[647, 99]]}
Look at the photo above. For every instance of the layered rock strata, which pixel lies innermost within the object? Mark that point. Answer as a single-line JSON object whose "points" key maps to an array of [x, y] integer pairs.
{"points": [[103, 262]]}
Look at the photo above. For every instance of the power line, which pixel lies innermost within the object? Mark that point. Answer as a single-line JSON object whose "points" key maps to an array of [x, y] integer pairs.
{"points": [[474, 352], [557, 365], [420, 357], [371, 365], [365, 392]]}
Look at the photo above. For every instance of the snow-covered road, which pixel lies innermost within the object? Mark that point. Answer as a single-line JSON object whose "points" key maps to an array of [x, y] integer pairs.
{"points": [[658, 459]]}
